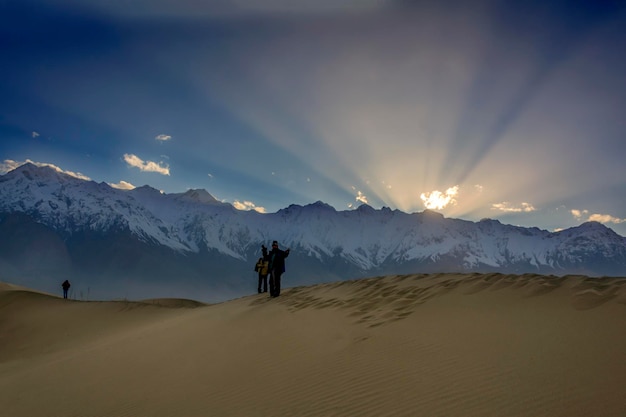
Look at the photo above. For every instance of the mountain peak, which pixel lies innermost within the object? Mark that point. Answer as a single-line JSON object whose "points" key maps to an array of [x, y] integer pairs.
{"points": [[592, 225], [31, 172], [365, 208], [431, 215], [31, 168], [198, 195], [145, 190], [595, 227], [50, 172], [321, 206]]}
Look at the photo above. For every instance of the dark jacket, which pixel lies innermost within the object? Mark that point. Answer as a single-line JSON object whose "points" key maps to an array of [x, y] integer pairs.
{"points": [[277, 259]]}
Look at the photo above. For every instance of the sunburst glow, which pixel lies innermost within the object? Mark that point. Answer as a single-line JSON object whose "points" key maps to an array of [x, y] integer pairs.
{"points": [[511, 110]]}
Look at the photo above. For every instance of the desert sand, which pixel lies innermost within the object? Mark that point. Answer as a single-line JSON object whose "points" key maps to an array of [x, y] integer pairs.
{"points": [[411, 345]]}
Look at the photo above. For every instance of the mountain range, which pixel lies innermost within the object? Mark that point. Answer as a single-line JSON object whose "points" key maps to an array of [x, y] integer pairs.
{"points": [[143, 243]]}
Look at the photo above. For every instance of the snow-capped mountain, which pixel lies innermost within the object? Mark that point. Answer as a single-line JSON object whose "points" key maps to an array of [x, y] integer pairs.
{"points": [[117, 241]]}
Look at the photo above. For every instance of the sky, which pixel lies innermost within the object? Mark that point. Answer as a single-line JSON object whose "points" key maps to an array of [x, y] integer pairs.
{"points": [[509, 110]]}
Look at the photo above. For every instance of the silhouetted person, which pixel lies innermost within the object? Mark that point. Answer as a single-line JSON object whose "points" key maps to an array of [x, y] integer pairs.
{"points": [[66, 286], [276, 267], [262, 267]]}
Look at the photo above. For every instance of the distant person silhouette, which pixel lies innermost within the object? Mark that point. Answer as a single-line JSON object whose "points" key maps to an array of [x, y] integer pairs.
{"points": [[66, 286], [276, 267]]}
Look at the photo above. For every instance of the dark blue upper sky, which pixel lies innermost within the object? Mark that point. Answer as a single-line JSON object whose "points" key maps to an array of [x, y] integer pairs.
{"points": [[502, 109]]}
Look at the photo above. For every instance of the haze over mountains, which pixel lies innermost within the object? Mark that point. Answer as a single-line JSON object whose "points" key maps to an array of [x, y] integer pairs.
{"points": [[142, 243]]}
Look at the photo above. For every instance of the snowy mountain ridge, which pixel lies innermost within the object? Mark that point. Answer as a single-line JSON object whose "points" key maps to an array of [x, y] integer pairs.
{"points": [[358, 242]]}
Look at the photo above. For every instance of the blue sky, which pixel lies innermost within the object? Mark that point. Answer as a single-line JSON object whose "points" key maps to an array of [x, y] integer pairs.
{"points": [[501, 109]]}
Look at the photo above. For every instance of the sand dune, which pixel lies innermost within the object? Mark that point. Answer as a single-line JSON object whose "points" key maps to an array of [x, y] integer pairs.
{"points": [[426, 345]]}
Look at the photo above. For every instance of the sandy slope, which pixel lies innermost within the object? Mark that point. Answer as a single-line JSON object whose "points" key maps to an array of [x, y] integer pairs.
{"points": [[429, 345]]}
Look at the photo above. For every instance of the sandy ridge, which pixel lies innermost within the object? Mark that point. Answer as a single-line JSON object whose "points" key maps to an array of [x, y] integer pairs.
{"points": [[436, 345]]}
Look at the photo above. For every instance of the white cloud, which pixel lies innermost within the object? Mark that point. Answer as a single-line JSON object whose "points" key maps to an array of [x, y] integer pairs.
{"points": [[146, 166], [35, 134], [9, 165], [163, 138], [511, 208], [359, 197], [436, 200], [601, 218], [606, 218], [123, 185], [248, 205]]}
